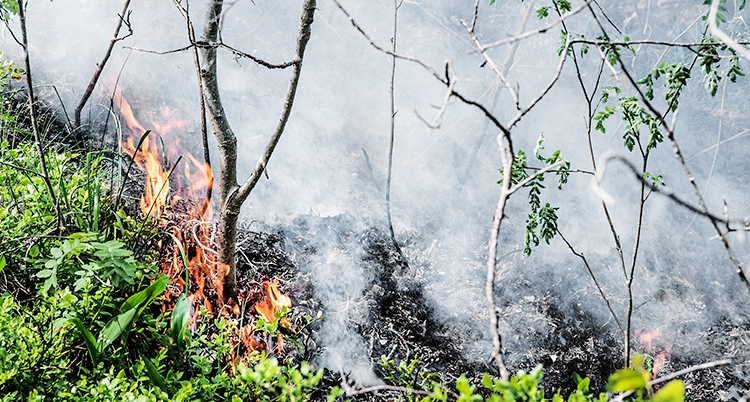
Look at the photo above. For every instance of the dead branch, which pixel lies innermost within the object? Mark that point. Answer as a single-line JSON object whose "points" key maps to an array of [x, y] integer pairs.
{"points": [[393, 132], [492, 64], [522, 112], [34, 121], [122, 18], [215, 45], [591, 273], [450, 74]]}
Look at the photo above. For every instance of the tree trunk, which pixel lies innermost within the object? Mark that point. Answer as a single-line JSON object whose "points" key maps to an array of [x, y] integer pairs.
{"points": [[231, 194]]}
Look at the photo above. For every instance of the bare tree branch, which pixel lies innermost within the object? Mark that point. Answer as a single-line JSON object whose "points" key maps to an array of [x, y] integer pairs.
{"points": [[35, 123], [540, 30], [215, 45], [122, 18], [591, 273], [492, 64], [506, 153], [393, 132]]}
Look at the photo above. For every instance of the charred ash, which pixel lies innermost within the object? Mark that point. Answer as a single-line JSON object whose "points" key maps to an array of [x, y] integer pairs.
{"points": [[390, 316]]}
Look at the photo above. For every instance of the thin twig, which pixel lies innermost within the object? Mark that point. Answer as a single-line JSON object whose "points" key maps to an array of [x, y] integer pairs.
{"points": [[204, 127], [216, 45], [122, 18], [492, 64], [522, 112], [450, 74], [591, 273], [539, 30], [34, 122], [393, 132], [669, 193]]}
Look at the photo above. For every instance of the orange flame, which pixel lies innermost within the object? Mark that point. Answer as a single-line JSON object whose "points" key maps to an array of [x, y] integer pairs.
{"points": [[661, 350], [154, 199], [276, 300], [193, 233]]}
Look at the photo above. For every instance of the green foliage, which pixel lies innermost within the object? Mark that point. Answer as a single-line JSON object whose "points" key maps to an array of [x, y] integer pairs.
{"points": [[521, 387], [562, 6], [81, 261], [656, 180], [274, 328], [405, 375], [735, 69], [613, 53], [541, 219], [677, 76], [543, 12], [708, 57], [7, 70], [720, 17], [179, 321], [266, 380], [710, 62], [636, 115], [518, 169], [636, 379]]}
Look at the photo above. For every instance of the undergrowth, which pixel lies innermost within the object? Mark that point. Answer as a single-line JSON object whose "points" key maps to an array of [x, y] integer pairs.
{"points": [[81, 317]]}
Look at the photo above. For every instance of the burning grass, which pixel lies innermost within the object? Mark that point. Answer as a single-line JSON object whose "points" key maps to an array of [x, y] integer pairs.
{"points": [[289, 277]]}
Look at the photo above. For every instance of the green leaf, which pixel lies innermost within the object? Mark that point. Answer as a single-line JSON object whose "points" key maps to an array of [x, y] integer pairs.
{"points": [[627, 380], [154, 374], [145, 296], [2, 262], [45, 273], [583, 385], [34, 251], [88, 338], [672, 392], [180, 316], [116, 327]]}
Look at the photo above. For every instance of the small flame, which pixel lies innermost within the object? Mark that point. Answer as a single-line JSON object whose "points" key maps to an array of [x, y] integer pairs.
{"points": [[657, 347], [276, 300], [154, 199]]}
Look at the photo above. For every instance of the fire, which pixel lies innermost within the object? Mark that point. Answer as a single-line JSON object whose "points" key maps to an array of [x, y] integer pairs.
{"points": [[190, 223], [154, 199], [276, 300], [657, 347]]}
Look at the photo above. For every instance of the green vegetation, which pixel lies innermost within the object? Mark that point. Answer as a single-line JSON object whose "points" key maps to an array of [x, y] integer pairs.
{"points": [[526, 386], [81, 316]]}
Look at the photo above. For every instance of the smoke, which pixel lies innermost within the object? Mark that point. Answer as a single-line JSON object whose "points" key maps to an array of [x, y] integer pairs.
{"points": [[330, 164]]}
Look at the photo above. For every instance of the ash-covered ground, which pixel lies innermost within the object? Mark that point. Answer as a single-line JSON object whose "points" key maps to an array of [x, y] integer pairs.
{"points": [[374, 304]]}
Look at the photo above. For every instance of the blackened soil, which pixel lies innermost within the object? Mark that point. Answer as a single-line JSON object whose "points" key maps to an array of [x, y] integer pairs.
{"points": [[403, 324]]}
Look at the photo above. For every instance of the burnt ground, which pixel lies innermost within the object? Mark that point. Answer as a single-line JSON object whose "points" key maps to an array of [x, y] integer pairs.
{"points": [[396, 321]]}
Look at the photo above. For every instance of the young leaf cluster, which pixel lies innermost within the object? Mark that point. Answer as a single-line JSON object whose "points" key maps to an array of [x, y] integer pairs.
{"points": [[541, 222]]}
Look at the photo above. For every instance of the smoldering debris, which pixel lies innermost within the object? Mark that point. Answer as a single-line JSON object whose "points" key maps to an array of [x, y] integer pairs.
{"points": [[381, 312]]}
